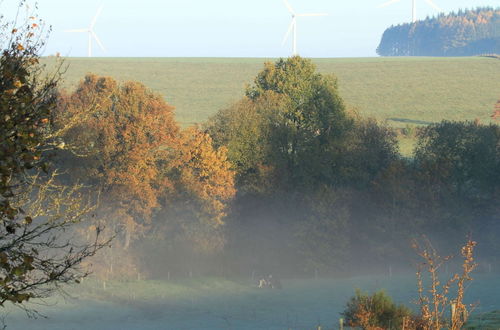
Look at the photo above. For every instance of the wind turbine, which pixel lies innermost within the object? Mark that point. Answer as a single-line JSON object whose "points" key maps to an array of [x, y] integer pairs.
{"points": [[414, 7], [293, 26], [91, 33]]}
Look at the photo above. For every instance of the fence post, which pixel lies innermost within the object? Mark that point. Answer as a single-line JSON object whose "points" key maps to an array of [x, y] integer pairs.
{"points": [[453, 311]]}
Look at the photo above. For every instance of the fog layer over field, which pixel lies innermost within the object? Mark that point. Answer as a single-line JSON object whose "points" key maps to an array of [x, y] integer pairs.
{"points": [[225, 304]]}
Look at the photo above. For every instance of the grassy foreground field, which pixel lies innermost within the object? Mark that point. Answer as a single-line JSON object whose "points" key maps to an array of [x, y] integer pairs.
{"points": [[212, 303], [400, 90]]}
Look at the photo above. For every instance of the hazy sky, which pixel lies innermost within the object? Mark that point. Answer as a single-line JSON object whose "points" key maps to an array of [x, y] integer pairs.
{"points": [[227, 28]]}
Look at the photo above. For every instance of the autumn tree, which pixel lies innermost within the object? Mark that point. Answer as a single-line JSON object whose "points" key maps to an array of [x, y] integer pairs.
{"points": [[193, 214], [37, 253], [125, 134], [152, 176]]}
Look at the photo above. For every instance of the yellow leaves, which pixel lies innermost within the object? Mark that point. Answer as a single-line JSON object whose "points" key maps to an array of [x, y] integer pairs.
{"points": [[207, 174], [14, 31], [20, 47]]}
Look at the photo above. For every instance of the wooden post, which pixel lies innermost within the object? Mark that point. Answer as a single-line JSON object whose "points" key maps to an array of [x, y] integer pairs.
{"points": [[453, 311], [168, 276], [341, 324]]}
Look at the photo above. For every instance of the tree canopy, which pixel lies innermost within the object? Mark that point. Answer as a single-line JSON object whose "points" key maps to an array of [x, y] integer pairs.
{"points": [[293, 116], [148, 174]]}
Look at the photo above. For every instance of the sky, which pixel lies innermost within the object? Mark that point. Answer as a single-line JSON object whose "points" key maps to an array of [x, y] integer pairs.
{"points": [[226, 28]]}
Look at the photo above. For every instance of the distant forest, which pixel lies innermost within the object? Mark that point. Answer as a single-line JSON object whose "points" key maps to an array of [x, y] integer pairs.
{"points": [[465, 33]]}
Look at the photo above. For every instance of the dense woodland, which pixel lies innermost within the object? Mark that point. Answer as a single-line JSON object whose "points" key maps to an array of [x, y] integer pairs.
{"points": [[465, 33], [287, 180]]}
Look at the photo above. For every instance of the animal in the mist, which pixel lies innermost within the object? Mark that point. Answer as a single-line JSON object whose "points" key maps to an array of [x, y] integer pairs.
{"points": [[270, 283]]}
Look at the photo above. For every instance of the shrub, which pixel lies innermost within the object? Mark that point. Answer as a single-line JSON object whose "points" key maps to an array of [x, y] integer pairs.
{"points": [[377, 311]]}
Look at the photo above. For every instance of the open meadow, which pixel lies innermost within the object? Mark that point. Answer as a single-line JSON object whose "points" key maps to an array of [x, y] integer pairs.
{"points": [[226, 304], [400, 90]]}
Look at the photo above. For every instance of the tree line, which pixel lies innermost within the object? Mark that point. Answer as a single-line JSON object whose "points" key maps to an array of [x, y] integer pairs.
{"points": [[319, 187], [288, 179], [462, 33]]}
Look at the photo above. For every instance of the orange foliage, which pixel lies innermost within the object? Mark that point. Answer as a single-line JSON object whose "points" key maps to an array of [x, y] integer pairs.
{"points": [[206, 175], [123, 132], [496, 111], [130, 148]]}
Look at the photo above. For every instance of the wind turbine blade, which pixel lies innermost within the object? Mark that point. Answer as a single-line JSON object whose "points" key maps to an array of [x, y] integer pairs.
{"points": [[290, 28], [433, 5], [304, 15], [388, 3], [290, 9], [77, 30], [95, 17], [98, 41]]}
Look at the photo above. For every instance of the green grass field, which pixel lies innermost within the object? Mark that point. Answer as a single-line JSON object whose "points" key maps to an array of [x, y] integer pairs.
{"points": [[214, 303], [400, 90]]}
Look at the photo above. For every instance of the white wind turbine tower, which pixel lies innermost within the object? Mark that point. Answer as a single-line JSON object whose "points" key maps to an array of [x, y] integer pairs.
{"points": [[91, 33], [293, 26], [414, 7]]}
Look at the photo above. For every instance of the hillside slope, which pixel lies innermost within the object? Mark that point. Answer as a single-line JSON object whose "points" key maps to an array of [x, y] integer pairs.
{"points": [[401, 90]]}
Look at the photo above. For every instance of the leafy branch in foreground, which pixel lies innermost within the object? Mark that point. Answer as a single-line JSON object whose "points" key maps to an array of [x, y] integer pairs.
{"points": [[41, 251], [433, 306]]}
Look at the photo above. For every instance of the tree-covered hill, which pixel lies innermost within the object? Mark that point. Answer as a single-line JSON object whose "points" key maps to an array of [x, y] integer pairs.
{"points": [[465, 33]]}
